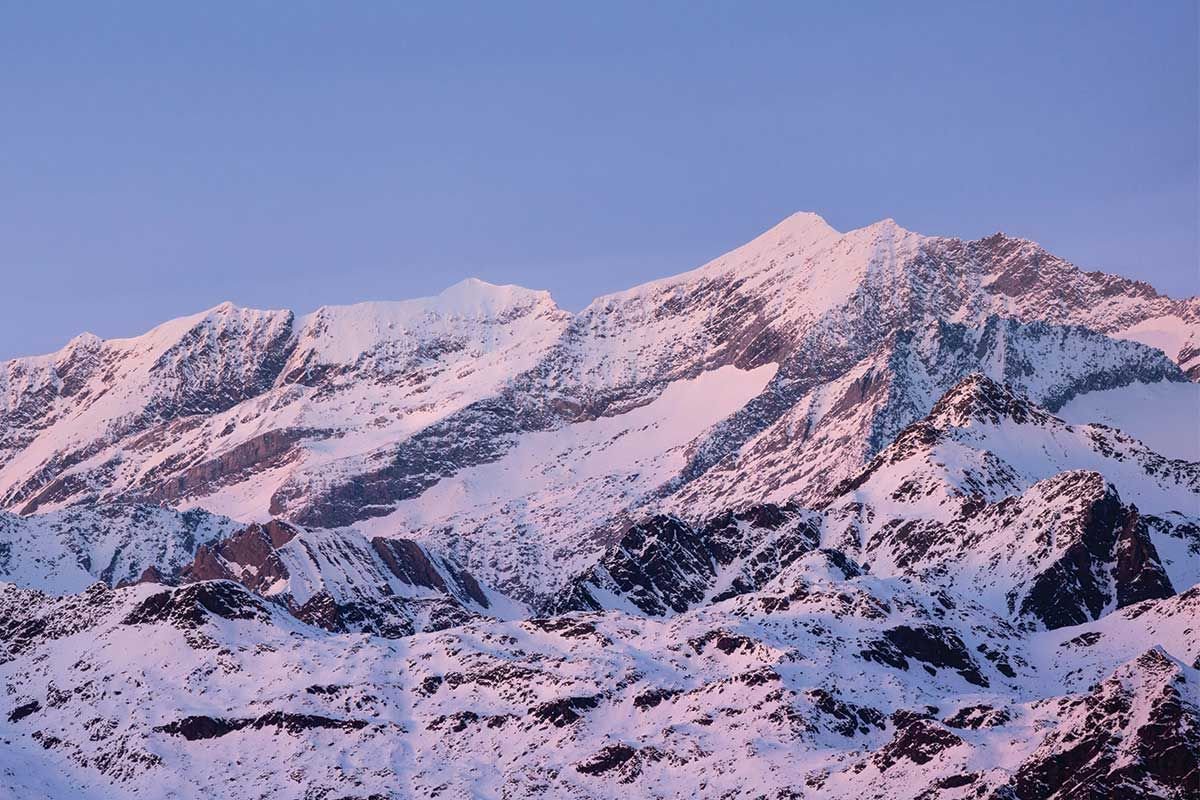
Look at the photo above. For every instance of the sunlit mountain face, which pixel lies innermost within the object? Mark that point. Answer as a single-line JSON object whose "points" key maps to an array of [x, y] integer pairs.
{"points": [[836, 515]]}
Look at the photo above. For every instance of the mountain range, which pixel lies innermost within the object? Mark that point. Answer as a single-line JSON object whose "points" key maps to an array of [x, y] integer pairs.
{"points": [[836, 515]]}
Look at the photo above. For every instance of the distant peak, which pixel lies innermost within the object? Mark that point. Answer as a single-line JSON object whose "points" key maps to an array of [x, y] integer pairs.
{"points": [[479, 296], [1007, 238], [469, 299], [885, 227], [804, 221], [473, 284], [222, 309], [978, 385], [85, 339], [809, 224]]}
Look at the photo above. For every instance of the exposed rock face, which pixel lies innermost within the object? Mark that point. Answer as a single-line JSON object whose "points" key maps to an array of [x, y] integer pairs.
{"points": [[1111, 561], [251, 552], [917, 740], [625, 761], [150, 574], [265, 451], [191, 606], [935, 647], [664, 565], [1135, 735], [194, 728], [1137, 572], [338, 581], [411, 564]]}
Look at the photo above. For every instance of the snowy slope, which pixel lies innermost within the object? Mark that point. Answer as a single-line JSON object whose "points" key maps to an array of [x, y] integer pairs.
{"points": [[1174, 333], [67, 551], [820, 684], [1165, 416], [543, 509]]}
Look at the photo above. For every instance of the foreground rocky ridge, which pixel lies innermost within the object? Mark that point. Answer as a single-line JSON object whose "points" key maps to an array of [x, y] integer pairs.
{"points": [[817, 685]]}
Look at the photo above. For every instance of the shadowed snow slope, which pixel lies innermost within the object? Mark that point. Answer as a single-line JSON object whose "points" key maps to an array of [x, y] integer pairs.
{"points": [[1166, 416]]}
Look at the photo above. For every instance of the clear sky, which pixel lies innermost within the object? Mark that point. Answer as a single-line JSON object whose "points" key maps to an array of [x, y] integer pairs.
{"points": [[159, 158]]}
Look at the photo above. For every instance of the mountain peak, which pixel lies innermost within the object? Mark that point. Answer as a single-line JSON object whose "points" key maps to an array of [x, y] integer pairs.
{"points": [[979, 398], [222, 309], [472, 297], [805, 221], [86, 340], [977, 383], [479, 289], [887, 225]]}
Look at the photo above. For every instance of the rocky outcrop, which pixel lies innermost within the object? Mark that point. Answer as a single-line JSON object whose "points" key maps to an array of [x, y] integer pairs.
{"points": [[264, 451], [665, 565], [410, 563], [249, 557], [1135, 735], [192, 606], [933, 646], [339, 581], [1111, 562], [1137, 571], [196, 728]]}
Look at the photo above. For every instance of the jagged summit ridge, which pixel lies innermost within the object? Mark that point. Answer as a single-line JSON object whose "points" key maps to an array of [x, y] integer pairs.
{"points": [[814, 341], [470, 298]]}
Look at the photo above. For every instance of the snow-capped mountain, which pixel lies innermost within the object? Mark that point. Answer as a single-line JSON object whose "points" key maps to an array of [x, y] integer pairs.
{"points": [[470, 412], [835, 515]]}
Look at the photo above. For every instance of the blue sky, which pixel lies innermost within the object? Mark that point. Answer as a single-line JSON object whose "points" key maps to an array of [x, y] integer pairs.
{"points": [[159, 158]]}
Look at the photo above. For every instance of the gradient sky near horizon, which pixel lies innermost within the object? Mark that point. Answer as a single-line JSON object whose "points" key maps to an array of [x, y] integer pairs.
{"points": [[159, 158]]}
